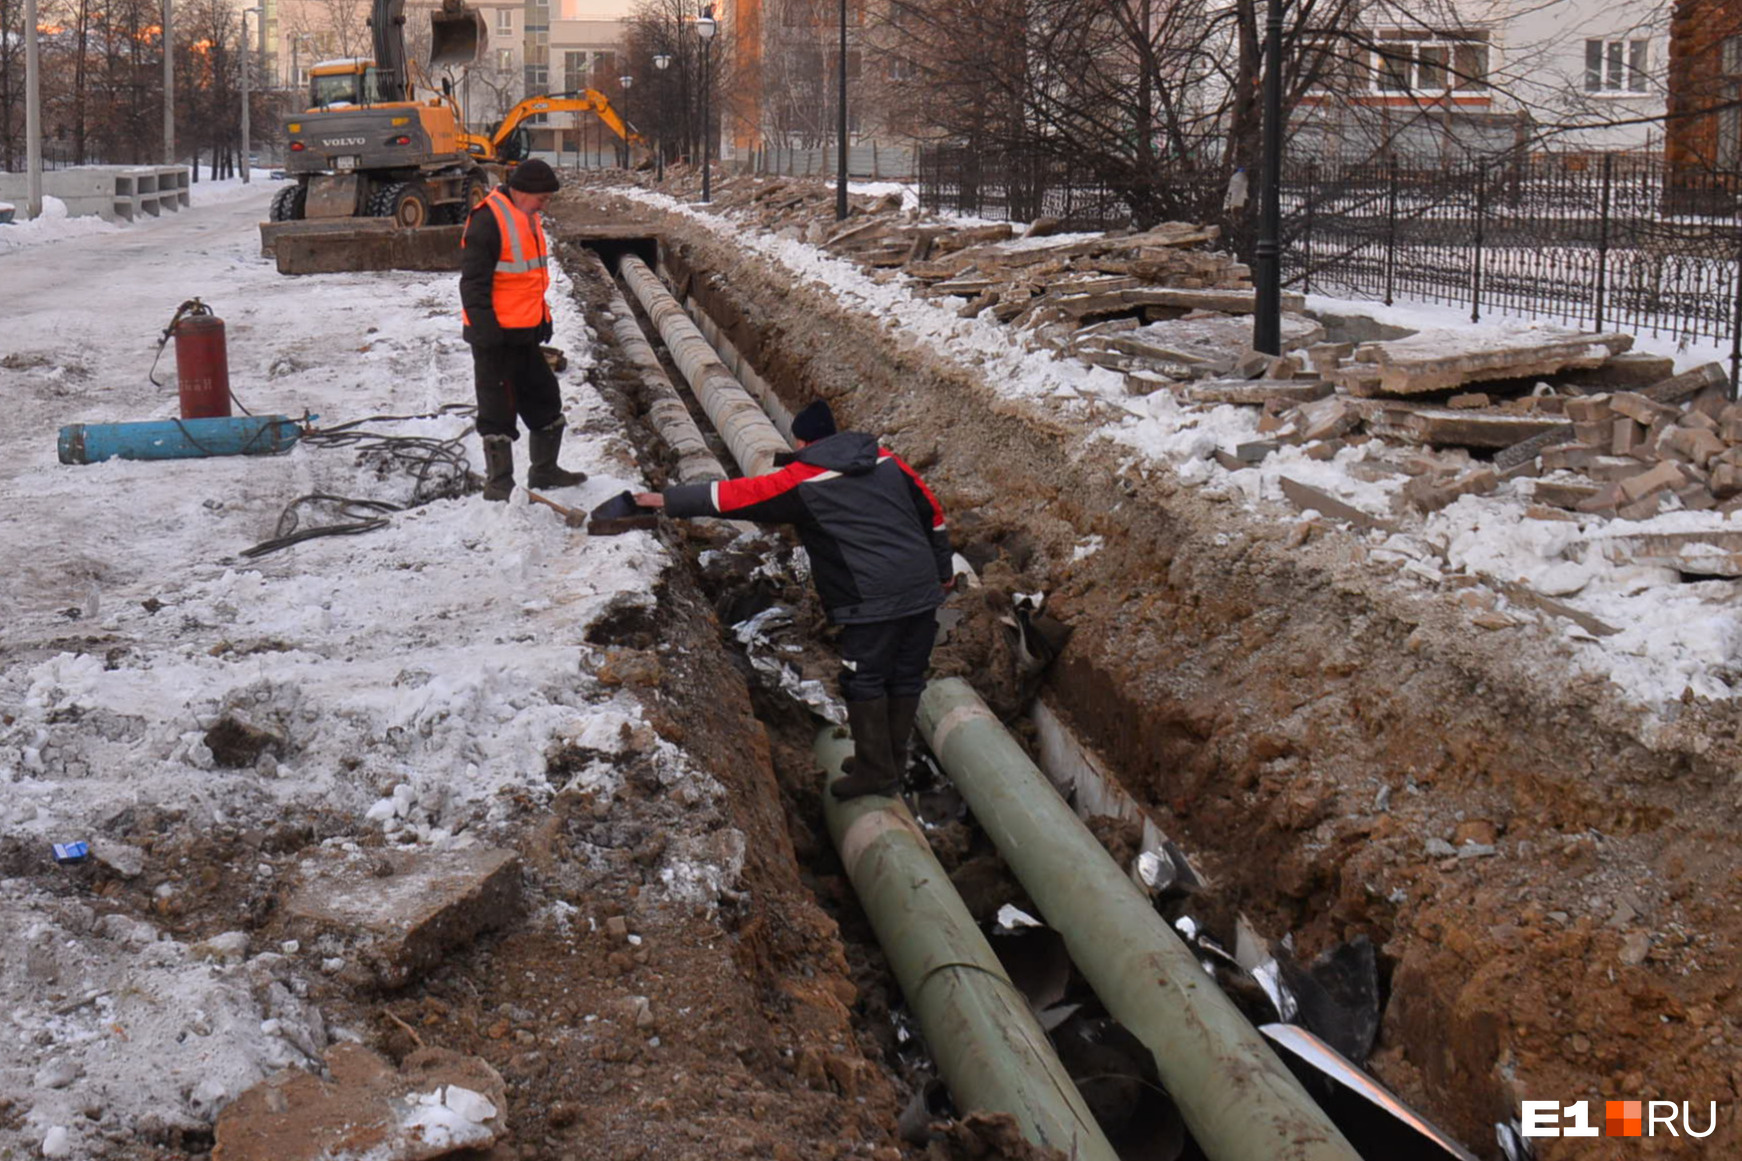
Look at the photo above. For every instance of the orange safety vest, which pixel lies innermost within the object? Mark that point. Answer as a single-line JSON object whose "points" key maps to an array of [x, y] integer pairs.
{"points": [[522, 267]]}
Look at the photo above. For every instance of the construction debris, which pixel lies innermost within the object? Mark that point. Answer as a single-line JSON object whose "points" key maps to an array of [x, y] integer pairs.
{"points": [[1608, 431]]}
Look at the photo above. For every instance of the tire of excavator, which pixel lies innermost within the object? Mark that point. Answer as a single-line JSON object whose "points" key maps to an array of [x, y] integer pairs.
{"points": [[287, 204]]}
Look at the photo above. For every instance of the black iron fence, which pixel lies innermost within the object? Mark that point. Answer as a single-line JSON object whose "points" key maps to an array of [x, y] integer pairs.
{"points": [[1606, 241]]}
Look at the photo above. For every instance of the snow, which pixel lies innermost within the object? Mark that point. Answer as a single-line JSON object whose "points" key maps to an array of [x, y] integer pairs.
{"points": [[1674, 636], [430, 665]]}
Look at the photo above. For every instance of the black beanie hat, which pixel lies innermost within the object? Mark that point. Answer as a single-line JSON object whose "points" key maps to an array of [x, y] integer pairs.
{"points": [[535, 177], [814, 422]]}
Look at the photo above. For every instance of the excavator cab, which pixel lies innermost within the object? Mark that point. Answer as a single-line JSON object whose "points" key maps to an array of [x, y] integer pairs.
{"points": [[458, 35]]}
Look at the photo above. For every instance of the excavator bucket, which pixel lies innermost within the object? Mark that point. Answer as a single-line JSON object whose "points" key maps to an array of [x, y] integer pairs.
{"points": [[458, 35]]}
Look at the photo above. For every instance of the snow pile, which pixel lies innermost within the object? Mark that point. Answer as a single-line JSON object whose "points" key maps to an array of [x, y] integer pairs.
{"points": [[417, 678]]}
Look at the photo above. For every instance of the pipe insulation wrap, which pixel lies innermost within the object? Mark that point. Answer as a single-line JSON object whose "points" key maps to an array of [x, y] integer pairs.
{"points": [[1240, 1102], [738, 418], [667, 412], [989, 1049]]}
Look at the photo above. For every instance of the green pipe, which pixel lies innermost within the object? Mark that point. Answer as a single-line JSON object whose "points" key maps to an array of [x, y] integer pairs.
{"points": [[1237, 1098], [988, 1047]]}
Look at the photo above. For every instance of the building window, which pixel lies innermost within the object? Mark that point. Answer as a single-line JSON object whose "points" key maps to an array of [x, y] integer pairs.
{"points": [[504, 20], [1403, 64], [1730, 116], [575, 75], [1615, 66], [902, 68]]}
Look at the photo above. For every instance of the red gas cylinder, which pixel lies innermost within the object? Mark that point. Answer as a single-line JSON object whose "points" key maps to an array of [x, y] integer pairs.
{"points": [[202, 367]]}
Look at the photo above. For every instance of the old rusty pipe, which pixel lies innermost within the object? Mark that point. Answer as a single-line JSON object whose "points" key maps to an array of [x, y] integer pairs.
{"points": [[1239, 1101], [988, 1047]]}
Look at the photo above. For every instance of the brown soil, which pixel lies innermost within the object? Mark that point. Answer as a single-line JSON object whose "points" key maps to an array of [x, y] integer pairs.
{"points": [[1305, 728]]}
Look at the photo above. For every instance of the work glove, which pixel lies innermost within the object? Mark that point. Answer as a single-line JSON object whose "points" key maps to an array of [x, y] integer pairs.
{"points": [[482, 330], [545, 331]]}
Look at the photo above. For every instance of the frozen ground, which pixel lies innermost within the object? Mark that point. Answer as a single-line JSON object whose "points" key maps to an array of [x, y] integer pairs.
{"points": [[418, 675], [1674, 637]]}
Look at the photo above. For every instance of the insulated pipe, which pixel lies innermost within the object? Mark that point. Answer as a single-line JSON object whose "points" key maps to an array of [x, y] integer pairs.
{"points": [[749, 435], [695, 463], [1237, 1098], [758, 387], [988, 1047]]}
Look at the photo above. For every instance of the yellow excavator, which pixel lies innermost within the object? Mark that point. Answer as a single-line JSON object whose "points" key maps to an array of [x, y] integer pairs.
{"points": [[367, 147]]}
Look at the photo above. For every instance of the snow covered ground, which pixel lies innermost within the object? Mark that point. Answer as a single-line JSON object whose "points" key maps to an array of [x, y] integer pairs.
{"points": [[1673, 636], [419, 674]]}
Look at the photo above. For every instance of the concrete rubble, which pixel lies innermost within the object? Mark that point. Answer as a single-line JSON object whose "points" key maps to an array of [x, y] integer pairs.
{"points": [[401, 911]]}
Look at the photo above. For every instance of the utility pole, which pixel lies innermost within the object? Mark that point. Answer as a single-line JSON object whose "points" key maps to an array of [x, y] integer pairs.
{"points": [[169, 87], [247, 51], [32, 114], [1267, 293], [841, 126]]}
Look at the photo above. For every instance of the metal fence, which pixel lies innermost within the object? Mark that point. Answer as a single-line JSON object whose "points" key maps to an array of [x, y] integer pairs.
{"points": [[1598, 240], [875, 160]]}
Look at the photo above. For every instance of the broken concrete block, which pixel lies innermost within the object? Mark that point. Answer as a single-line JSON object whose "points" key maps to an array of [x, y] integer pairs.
{"points": [[1568, 458], [436, 1104], [1696, 498], [1436, 360], [1726, 480], [1563, 495], [1693, 417], [1469, 400], [1327, 418], [1625, 435], [1428, 494], [431, 903], [1629, 369], [1588, 409], [1327, 357], [1603, 502], [1642, 509], [1694, 444], [1637, 407], [1651, 481], [1594, 433]]}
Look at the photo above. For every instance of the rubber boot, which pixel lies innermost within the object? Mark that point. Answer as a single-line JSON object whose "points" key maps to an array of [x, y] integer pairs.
{"points": [[872, 771], [498, 467], [902, 712], [542, 447]]}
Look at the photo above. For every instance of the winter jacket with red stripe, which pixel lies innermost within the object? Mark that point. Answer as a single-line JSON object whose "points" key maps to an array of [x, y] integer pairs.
{"points": [[875, 533]]}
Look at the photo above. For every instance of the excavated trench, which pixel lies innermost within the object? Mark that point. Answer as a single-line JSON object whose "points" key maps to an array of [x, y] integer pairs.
{"points": [[1546, 881]]}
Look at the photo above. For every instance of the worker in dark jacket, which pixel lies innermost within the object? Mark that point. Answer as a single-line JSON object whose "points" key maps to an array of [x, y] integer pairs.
{"points": [[881, 558], [504, 274]]}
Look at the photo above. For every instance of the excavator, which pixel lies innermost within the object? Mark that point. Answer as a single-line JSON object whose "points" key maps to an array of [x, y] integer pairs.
{"points": [[367, 147]]}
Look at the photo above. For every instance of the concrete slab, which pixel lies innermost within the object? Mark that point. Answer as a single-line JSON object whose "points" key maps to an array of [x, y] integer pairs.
{"points": [[437, 1104], [407, 909], [427, 248]]}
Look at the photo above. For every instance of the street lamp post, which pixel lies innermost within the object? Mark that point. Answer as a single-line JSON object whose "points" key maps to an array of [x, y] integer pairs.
{"points": [[841, 126], [706, 26], [661, 61], [627, 82], [169, 87], [1267, 294]]}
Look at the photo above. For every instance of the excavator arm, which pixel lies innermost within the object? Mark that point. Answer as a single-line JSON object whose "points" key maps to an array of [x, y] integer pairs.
{"points": [[583, 101]]}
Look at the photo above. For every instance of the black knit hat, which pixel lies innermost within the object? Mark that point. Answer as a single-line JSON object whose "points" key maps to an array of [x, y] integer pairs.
{"points": [[814, 422], [535, 177]]}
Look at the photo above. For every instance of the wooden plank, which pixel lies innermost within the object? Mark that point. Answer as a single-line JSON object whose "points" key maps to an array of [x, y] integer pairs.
{"points": [[1529, 596]]}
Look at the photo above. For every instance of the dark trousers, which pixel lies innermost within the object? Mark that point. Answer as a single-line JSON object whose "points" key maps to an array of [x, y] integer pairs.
{"points": [[514, 380], [887, 658]]}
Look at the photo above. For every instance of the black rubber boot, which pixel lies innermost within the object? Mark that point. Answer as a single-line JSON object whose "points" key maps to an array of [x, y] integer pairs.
{"points": [[542, 447], [902, 712], [498, 467], [872, 771]]}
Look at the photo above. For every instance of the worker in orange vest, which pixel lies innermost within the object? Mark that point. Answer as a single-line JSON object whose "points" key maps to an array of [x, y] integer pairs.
{"points": [[504, 274]]}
